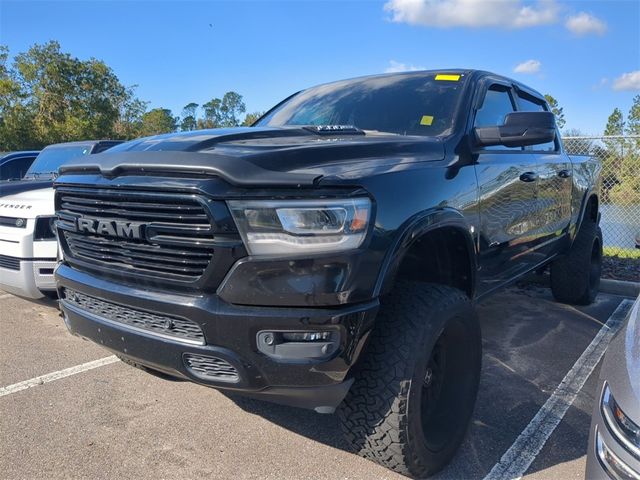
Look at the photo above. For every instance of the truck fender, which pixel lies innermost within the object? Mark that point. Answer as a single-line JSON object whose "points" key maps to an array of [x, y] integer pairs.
{"points": [[413, 229], [583, 209]]}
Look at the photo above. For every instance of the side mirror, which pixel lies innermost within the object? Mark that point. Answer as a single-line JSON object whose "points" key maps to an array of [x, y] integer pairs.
{"points": [[520, 129]]}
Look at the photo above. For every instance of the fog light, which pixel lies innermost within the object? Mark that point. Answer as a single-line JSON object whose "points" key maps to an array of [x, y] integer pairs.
{"points": [[298, 345], [306, 336]]}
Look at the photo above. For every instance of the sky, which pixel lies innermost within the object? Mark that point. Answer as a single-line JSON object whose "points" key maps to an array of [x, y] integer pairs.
{"points": [[585, 53]]}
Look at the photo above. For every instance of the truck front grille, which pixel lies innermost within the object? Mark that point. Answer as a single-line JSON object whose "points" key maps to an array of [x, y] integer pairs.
{"points": [[176, 232], [211, 368], [164, 325], [12, 263]]}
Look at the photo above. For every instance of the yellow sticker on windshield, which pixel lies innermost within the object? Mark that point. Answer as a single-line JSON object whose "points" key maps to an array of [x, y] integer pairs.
{"points": [[426, 120], [451, 78]]}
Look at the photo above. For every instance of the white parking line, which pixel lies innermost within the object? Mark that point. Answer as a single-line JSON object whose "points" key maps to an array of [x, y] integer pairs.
{"points": [[517, 460], [51, 377]]}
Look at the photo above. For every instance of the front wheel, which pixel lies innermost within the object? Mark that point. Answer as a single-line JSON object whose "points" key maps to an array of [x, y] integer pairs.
{"points": [[416, 385]]}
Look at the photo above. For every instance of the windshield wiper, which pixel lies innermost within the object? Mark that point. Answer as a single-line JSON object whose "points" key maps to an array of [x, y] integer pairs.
{"points": [[334, 129], [36, 175]]}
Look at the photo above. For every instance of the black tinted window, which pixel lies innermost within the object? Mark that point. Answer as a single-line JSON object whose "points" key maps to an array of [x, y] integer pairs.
{"points": [[401, 104], [495, 106], [527, 104], [13, 169]]}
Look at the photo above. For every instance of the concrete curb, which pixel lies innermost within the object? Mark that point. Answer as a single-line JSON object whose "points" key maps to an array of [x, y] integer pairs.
{"points": [[612, 287], [619, 287]]}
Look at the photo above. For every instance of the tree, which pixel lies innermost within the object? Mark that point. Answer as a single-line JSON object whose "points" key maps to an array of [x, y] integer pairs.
{"points": [[251, 118], [223, 112], [615, 123], [131, 110], [73, 98], [16, 131], [212, 114], [189, 117], [614, 149], [48, 96], [556, 109], [231, 108], [157, 121], [633, 118], [627, 188]]}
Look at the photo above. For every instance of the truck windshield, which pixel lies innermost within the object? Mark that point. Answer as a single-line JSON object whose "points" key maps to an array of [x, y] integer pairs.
{"points": [[50, 159], [405, 104]]}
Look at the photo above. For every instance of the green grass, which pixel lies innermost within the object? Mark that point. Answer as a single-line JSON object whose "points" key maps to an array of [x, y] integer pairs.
{"points": [[622, 252]]}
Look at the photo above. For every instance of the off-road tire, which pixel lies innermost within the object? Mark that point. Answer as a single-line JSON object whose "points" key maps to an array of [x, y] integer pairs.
{"points": [[575, 277], [382, 416]]}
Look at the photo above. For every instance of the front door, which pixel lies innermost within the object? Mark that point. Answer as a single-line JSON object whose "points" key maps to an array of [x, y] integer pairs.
{"points": [[508, 191]]}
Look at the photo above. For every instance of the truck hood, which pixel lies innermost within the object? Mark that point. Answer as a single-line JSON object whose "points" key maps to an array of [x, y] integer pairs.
{"points": [[15, 187], [261, 156], [28, 204]]}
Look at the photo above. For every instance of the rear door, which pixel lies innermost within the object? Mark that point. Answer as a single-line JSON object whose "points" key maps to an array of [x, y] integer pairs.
{"points": [[508, 189], [554, 182]]}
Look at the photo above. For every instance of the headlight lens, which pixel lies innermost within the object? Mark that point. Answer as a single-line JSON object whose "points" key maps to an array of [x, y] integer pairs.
{"points": [[45, 228], [621, 426], [611, 463], [301, 226]]}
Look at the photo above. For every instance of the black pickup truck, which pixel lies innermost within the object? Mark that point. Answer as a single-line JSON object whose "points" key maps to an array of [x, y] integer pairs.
{"points": [[330, 255]]}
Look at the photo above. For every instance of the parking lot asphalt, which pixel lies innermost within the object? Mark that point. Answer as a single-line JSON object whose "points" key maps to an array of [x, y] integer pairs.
{"points": [[115, 421]]}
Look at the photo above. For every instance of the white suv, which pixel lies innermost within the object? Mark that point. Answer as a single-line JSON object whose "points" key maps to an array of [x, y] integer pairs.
{"points": [[28, 245]]}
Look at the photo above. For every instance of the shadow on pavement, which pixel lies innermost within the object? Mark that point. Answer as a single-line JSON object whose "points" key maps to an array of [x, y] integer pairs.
{"points": [[530, 343]]}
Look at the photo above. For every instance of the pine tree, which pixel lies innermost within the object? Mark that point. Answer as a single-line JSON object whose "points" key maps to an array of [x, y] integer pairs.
{"points": [[556, 109]]}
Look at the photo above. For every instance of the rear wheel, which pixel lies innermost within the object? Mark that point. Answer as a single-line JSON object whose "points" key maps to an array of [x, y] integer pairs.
{"points": [[416, 385], [575, 278]]}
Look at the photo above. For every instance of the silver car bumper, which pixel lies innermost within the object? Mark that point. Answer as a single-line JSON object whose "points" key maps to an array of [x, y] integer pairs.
{"points": [[31, 279], [614, 441]]}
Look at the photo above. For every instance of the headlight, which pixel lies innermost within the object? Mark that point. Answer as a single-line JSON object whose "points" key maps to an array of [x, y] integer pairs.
{"points": [[611, 463], [301, 226], [45, 228], [621, 426]]}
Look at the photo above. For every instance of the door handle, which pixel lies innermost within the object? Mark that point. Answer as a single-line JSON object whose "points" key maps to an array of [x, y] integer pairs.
{"points": [[564, 173], [529, 177]]}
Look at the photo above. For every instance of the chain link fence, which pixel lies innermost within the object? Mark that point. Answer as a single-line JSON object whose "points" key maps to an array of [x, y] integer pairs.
{"points": [[620, 201]]}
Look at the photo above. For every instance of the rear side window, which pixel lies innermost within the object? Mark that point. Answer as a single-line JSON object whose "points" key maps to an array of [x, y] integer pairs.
{"points": [[496, 105], [530, 104], [15, 169]]}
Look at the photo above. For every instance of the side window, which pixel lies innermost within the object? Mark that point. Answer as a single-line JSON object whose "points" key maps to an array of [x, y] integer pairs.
{"points": [[23, 165], [496, 105], [530, 104], [10, 170]]}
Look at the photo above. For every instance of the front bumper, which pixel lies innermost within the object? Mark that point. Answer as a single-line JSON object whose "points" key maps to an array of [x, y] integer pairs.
{"points": [[607, 457], [32, 277], [229, 334]]}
